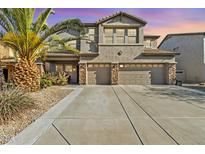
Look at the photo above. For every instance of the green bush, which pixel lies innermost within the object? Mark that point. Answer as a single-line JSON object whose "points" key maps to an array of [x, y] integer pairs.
{"points": [[46, 81], [61, 79], [13, 101]]}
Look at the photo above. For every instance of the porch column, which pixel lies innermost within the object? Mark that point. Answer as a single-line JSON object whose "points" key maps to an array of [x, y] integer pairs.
{"points": [[114, 73], [171, 74], [82, 73]]}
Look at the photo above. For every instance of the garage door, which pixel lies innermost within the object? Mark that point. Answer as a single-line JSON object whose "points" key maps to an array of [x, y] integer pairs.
{"points": [[158, 75], [99, 75], [134, 77]]}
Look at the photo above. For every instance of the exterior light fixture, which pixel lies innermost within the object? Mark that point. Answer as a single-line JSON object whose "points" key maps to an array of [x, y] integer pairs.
{"points": [[121, 65]]}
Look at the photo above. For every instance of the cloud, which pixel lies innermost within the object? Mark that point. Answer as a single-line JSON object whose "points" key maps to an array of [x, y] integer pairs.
{"points": [[176, 28]]}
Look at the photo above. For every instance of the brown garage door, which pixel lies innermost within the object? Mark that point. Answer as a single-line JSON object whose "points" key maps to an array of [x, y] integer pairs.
{"points": [[99, 74], [134, 77]]}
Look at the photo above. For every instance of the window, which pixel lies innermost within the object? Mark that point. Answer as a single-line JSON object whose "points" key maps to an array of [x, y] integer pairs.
{"points": [[147, 43], [120, 35], [91, 34], [132, 36], [108, 35], [59, 68]]}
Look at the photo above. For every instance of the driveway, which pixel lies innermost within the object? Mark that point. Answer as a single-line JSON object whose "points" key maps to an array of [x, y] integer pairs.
{"points": [[130, 115]]}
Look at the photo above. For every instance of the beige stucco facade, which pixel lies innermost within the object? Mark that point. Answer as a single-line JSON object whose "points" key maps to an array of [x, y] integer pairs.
{"points": [[127, 63], [112, 51]]}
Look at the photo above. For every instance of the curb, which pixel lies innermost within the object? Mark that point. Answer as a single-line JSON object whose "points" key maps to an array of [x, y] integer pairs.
{"points": [[33, 131]]}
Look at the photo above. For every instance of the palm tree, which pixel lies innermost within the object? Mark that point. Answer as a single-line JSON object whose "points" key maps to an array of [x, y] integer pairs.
{"points": [[30, 40]]}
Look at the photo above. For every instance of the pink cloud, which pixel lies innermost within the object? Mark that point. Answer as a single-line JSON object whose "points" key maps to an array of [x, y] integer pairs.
{"points": [[176, 28]]}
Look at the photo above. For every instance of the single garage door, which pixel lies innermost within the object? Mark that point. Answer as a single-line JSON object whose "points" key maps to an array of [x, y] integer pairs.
{"points": [[99, 75], [134, 77], [158, 75]]}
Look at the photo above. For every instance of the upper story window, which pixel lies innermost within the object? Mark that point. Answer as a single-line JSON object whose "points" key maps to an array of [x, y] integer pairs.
{"points": [[120, 35], [132, 36], [91, 34], [108, 35]]}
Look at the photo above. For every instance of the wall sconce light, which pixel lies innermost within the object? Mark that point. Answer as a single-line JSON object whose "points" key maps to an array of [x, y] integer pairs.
{"points": [[121, 66]]}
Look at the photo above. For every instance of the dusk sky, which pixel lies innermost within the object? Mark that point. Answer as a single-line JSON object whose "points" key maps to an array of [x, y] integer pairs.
{"points": [[160, 21]]}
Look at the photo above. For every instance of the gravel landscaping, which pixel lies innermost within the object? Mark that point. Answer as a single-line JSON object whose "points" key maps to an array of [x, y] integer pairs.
{"points": [[44, 100]]}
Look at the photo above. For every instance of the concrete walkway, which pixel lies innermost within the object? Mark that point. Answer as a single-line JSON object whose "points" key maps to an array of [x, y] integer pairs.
{"points": [[127, 115]]}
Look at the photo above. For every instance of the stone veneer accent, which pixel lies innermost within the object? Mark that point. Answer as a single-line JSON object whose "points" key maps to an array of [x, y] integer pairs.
{"points": [[82, 73], [171, 74], [114, 73]]}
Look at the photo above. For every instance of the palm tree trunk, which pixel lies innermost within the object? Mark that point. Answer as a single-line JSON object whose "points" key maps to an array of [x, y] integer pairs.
{"points": [[27, 75]]}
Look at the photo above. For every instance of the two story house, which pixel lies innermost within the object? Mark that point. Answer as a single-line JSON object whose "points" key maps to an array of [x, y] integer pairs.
{"points": [[116, 51], [191, 61]]}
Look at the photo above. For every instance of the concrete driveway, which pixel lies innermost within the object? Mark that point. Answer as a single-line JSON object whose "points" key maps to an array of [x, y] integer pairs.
{"points": [[130, 115]]}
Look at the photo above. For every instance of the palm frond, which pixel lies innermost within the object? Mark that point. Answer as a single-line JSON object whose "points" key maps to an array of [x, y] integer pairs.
{"points": [[71, 24], [5, 22], [41, 20], [31, 40]]}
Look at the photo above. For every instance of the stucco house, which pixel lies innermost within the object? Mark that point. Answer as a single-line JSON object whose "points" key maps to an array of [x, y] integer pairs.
{"points": [[116, 51], [191, 61]]}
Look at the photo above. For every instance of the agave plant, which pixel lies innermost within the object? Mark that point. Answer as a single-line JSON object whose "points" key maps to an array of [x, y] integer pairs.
{"points": [[30, 40]]}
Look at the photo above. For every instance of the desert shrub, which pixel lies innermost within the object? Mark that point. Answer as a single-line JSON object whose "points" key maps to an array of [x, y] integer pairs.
{"points": [[46, 81], [13, 101], [60, 79], [8, 85]]}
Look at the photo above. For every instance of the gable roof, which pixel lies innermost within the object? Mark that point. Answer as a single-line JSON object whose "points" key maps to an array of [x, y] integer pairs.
{"points": [[180, 34], [104, 19]]}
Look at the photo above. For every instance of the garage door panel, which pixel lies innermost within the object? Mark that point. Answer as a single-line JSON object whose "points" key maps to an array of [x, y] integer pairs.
{"points": [[158, 75], [99, 75], [134, 77]]}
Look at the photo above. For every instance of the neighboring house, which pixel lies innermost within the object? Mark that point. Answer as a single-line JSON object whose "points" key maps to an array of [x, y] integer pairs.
{"points": [[116, 51], [191, 61], [7, 61]]}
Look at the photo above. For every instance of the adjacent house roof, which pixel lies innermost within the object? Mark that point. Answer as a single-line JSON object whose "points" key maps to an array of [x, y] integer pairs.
{"points": [[180, 34], [104, 19], [158, 52]]}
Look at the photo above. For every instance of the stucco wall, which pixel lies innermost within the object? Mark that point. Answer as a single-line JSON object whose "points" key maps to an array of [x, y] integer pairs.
{"points": [[5, 52], [109, 53], [191, 55]]}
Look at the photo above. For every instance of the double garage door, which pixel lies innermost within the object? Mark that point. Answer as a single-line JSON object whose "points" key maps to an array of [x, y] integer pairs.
{"points": [[142, 76], [101, 74]]}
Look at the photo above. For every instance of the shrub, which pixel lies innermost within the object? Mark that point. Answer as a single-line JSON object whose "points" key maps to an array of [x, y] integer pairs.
{"points": [[13, 101], [61, 79], [46, 81]]}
